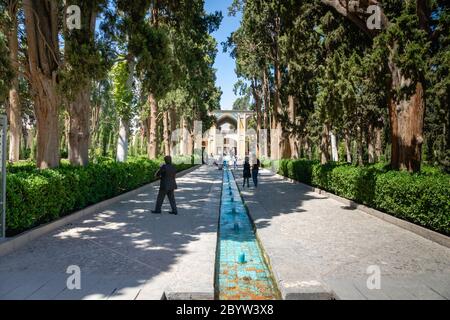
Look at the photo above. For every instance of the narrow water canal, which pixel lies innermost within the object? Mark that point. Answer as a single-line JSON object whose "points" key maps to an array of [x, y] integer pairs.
{"points": [[241, 272]]}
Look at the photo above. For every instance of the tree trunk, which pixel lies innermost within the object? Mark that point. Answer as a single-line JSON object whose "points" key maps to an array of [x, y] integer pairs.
{"points": [[378, 143], [190, 144], [166, 125], [406, 115], [47, 116], [110, 143], [334, 147], [14, 112], [152, 148], [359, 146], [275, 140], [41, 23], [124, 125], [25, 139], [325, 145], [266, 97], [142, 138], [348, 151], [284, 147], [308, 148], [371, 143], [94, 135], [79, 128], [122, 142], [292, 136], [257, 99], [189, 138], [300, 147], [32, 139], [80, 106], [173, 128]]}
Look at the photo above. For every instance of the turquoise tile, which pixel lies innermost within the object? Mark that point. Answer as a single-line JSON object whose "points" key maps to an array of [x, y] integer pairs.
{"points": [[236, 280]]}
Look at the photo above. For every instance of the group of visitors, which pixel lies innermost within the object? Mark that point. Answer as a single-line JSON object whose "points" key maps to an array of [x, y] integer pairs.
{"points": [[251, 172], [167, 175]]}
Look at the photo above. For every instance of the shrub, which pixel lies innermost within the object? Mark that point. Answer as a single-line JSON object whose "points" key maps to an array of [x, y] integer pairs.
{"points": [[22, 166], [34, 197], [422, 198]]}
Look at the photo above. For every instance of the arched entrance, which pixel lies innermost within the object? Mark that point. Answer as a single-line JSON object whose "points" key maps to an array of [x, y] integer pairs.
{"points": [[229, 135]]}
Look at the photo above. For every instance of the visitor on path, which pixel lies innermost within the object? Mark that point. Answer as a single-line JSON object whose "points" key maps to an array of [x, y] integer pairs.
{"points": [[167, 173], [247, 173], [235, 162], [255, 172]]}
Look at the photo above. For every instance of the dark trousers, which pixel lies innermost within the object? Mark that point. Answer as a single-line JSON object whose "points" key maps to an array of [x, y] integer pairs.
{"points": [[255, 178], [161, 195], [248, 181]]}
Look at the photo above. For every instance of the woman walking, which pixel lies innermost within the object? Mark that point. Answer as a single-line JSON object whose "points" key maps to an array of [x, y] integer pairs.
{"points": [[247, 173]]}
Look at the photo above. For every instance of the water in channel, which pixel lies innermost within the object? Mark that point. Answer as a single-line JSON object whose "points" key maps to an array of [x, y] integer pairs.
{"points": [[242, 272]]}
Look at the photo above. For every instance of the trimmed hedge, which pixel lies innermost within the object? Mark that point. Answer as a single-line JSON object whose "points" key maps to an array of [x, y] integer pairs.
{"points": [[423, 198], [35, 197]]}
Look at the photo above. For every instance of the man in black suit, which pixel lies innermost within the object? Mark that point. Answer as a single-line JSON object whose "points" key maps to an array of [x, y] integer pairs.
{"points": [[167, 173]]}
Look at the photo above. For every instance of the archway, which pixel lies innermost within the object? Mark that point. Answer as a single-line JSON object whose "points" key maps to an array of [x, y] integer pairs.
{"points": [[228, 136]]}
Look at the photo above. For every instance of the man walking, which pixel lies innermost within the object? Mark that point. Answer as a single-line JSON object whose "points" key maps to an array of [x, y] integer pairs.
{"points": [[167, 173], [255, 172]]}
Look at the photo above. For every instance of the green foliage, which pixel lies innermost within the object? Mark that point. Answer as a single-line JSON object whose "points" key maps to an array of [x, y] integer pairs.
{"points": [[121, 93], [85, 55], [422, 198], [242, 103], [437, 121], [22, 166], [404, 32], [34, 197], [152, 47], [6, 71]]}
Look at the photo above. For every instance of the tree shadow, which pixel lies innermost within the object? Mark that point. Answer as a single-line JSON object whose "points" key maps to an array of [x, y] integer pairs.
{"points": [[123, 251], [273, 198]]}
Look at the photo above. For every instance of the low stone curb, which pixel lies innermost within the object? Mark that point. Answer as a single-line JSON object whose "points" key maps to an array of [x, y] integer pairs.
{"points": [[189, 296], [300, 290], [421, 231], [208, 294], [12, 244], [306, 290]]}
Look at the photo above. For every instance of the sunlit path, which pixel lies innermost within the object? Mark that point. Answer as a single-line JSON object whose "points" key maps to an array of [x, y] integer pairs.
{"points": [[125, 252], [317, 244]]}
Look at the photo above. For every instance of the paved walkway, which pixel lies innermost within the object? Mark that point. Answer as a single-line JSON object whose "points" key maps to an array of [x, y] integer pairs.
{"points": [[315, 242], [125, 252]]}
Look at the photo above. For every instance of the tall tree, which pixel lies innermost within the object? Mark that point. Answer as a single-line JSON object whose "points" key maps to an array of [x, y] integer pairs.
{"points": [[123, 100], [84, 62], [5, 69], [42, 21], [405, 43], [14, 111]]}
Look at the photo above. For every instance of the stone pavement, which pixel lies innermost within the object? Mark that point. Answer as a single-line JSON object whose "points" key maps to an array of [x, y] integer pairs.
{"points": [[125, 252], [316, 244]]}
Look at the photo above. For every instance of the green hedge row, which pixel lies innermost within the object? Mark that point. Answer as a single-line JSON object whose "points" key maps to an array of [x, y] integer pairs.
{"points": [[35, 197], [423, 198]]}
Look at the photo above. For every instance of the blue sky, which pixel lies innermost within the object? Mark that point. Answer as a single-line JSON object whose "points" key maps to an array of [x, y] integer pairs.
{"points": [[225, 65]]}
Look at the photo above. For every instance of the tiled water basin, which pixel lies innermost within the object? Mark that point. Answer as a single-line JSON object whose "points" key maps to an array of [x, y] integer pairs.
{"points": [[242, 271]]}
